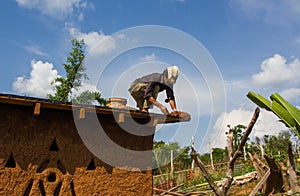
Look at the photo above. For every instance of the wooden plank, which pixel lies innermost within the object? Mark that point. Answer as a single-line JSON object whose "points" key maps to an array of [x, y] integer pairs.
{"points": [[37, 109]]}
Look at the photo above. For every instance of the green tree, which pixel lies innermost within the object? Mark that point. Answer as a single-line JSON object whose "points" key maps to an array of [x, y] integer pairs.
{"points": [[219, 155], [238, 132], [277, 146], [205, 158], [75, 72], [254, 147], [89, 97]]}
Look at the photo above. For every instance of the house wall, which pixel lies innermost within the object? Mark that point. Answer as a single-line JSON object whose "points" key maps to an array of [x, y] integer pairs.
{"points": [[44, 154]]}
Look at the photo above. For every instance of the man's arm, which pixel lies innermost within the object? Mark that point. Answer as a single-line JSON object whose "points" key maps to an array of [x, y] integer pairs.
{"points": [[170, 97], [162, 108], [172, 104]]}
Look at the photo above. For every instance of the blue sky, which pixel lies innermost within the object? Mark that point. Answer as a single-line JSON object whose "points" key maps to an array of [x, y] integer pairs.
{"points": [[249, 45]]}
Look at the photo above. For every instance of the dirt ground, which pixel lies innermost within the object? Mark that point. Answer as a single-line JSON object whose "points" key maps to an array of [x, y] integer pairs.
{"points": [[245, 189]]}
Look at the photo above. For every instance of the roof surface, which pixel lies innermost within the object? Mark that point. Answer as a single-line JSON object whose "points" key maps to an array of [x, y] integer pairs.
{"points": [[46, 103]]}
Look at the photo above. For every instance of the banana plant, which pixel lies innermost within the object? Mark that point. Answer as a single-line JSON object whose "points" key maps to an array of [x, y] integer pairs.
{"points": [[288, 114]]}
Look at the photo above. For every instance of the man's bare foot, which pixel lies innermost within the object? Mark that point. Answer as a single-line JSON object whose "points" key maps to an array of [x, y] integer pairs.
{"points": [[145, 110]]}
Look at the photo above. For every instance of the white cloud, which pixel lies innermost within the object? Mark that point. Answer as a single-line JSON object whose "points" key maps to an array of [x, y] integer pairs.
{"points": [[267, 124], [276, 71], [276, 75], [33, 48], [182, 1], [39, 82], [85, 86], [291, 95], [81, 17], [55, 8], [149, 57], [96, 42], [279, 12]]}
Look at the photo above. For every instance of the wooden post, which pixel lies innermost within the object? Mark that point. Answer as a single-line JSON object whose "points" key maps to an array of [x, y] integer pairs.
{"points": [[211, 156], [172, 165], [82, 113], [37, 109], [121, 118], [193, 146], [155, 121]]}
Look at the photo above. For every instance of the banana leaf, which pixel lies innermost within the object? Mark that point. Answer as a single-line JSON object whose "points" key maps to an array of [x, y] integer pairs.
{"points": [[260, 100], [290, 117], [294, 112]]}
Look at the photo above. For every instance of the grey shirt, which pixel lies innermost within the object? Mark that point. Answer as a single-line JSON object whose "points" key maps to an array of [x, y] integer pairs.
{"points": [[153, 80]]}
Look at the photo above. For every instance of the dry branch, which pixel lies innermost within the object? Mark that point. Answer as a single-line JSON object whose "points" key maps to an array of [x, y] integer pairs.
{"points": [[173, 189], [259, 166], [222, 190], [207, 176], [234, 155], [197, 193], [239, 180]]}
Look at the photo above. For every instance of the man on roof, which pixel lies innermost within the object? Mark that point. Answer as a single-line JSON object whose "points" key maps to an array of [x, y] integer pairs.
{"points": [[145, 90]]}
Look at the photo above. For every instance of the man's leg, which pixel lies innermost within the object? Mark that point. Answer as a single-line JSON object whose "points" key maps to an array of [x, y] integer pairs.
{"points": [[147, 104], [137, 92], [139, 99]]}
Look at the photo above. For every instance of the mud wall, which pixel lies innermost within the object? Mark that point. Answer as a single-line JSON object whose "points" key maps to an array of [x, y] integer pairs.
{"points": [[44, 155]]}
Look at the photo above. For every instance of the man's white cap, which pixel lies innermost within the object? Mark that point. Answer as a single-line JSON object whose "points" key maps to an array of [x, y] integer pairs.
{"points": [[172, 74]]}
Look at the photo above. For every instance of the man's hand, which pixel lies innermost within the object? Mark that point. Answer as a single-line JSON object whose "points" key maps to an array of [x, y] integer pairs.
{"points": [[182, 116], [164, 110]]}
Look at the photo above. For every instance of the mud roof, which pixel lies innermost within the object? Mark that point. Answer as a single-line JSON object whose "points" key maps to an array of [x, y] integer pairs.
{"points": [[38, 103]]}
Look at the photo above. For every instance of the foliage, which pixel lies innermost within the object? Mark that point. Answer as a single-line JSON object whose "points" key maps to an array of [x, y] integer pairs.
{"points": [[277, 146], [288, 114], [253, 147], [88, 97], [205, 158], [238, 132], [218, 154], [274, 146], [75, 72]]}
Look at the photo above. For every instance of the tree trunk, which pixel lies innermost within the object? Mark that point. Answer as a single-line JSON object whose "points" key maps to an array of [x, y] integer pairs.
{"points": [[274, 182], [291, 172]]}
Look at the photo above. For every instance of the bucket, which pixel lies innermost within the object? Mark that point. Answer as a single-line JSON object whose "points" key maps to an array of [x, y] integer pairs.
{"points": [[116, 102]]}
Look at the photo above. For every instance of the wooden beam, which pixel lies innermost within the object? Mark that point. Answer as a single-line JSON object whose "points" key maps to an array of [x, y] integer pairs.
{"points": [[37, 109], [29, 101]]}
